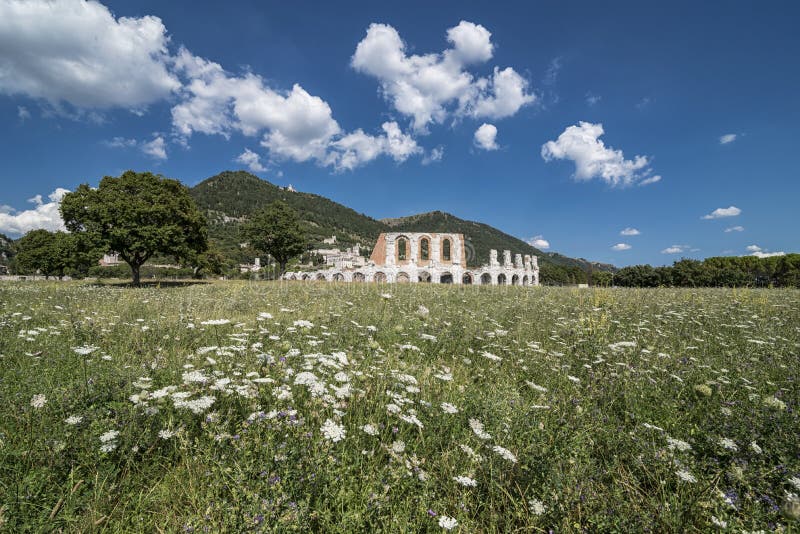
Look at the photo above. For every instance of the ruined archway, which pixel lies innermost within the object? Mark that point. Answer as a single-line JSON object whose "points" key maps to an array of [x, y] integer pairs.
{"points": [[403, 278], [380, 277], [515, 280], [501, 279], [446, 278], [338, 277], [466, 279], [424, 249], [358, 277], [292, 277], [525, 280], [424, 276], [306, 277], [402, 249], [486, 279], [447, 246], [320, 276]]}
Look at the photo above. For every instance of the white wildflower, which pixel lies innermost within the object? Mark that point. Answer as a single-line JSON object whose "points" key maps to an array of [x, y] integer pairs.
{"points": [[38, 401], [686, 476], [215, 322], [537, 507], [449, 408], [682, 446], [477, 428], [447, 522], [505, 453], [755, 448], [398, 446], [166, 433], [73, 420], [466, 481], [333, 431], [729, 444], [111, 435], [370, 429]]}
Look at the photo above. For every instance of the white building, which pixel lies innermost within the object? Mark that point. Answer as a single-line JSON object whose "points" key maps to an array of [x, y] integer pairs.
{"points": [[429, 257]]}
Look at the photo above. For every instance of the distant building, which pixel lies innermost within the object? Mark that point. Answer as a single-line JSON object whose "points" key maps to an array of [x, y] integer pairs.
{"points": [[248, 268], [425, 257], [109, 260]]}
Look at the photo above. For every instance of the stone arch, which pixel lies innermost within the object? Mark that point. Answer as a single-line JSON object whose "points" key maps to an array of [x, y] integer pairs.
{"points": [[292, 277], [338, 277], [447, 250], [379, 277], [525, 280], [424, 248], [320, 276], [306, 277], [486, 279], [446, 278], [402, 249], [515, 280], [466, 279], [402, 278], [501, 279], [424, 276], [359, 277]]}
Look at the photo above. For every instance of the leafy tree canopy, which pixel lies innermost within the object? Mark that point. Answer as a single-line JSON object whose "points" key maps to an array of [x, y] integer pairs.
{"points": [[137, 215], [276, 230]]}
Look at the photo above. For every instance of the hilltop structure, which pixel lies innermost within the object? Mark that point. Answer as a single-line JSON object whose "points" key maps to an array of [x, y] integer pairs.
{"points": [[402, 257]]}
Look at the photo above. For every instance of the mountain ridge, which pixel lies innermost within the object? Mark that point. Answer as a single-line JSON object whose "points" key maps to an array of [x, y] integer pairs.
{"points": [[230, 196]]}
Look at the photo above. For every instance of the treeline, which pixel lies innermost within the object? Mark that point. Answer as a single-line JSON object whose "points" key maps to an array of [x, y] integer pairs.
{"points": [[744, 271]]}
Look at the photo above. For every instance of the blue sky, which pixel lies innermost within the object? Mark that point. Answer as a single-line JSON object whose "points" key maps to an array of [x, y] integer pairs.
{"points": [[679, 120]]}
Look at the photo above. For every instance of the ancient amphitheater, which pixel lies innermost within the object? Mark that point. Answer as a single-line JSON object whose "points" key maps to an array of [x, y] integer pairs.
{"points": [[429, 257]]}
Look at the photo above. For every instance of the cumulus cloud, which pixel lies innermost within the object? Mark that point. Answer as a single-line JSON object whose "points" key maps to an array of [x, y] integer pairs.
{"points": [[539, 242], [358, 147], [676, 249], [582, 145], [727, 138], [485, 137], [156, 148], [435, 154], [761, 254], [630, 231], [753, 248], [430, 87], [251, 159], [23, 114], [77, 52], [720, 213], [621, 246], [44, 215], [734, 229]]}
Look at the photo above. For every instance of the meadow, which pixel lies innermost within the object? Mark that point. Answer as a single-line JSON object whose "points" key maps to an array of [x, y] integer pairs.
{"points": [[297, 407]]}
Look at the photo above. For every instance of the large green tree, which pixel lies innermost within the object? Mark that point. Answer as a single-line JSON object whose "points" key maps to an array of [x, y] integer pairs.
{"points": [[48, 253], [137, 215], [276, 230]]}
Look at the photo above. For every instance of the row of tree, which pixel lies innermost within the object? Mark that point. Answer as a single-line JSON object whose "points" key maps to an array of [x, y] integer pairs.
{"points": [[726, 271], [140, 216]]}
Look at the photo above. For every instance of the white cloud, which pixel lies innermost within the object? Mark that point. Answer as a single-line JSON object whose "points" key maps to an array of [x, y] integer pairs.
{"points": [[630, 231], [435, 154], [727, 138], [23, 113], [358, 147], [539, 242], [753, 248], [45, 215], [485, 137], [251, 159], [156, 148], [431, 87], [77, 52], [676, 249], [121, 142], [760, 254], [621, 246], [719, 213], [734, 229], [293, 125], [581, 144], [592, 99]]}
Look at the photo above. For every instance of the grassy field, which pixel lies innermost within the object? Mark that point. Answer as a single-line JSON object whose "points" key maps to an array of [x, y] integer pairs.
{"points": [[364, 408]]}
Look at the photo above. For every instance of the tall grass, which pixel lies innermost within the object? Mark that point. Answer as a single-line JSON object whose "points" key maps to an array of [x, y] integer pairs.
{"points": [[352, 408]]}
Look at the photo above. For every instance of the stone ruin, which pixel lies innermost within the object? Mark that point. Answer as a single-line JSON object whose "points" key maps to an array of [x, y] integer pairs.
{"points": [[403, 257]]}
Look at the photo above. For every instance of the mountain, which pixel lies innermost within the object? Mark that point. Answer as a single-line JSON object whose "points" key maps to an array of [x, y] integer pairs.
{"points": [[7, 249], [229, 197]]}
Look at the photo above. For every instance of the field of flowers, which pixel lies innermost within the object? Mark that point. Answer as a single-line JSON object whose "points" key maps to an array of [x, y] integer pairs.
{"points": [[411, 408]]}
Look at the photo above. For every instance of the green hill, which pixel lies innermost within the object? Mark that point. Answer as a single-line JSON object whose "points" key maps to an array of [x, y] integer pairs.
{"points": [[229, 197]]}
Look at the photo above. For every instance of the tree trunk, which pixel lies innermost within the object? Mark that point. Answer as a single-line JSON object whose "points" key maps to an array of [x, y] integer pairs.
{"points": [[135, 271], [282, 267]]}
